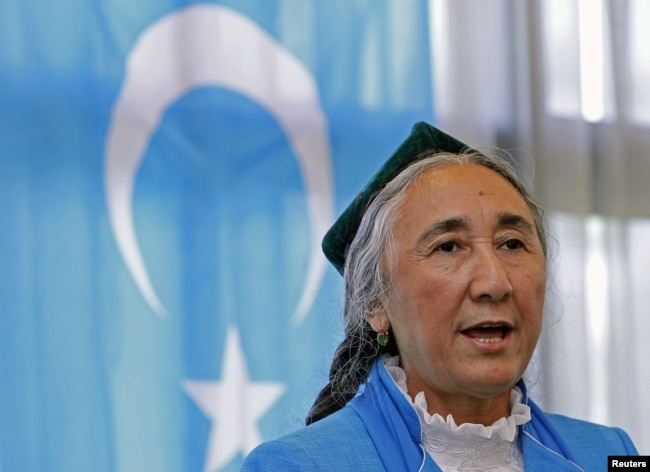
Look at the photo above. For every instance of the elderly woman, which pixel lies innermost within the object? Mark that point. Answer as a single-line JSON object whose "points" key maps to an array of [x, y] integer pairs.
{"points": [[444, 260]]}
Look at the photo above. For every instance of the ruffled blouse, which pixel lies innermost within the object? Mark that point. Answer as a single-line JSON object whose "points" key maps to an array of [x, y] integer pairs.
{"points": [[467, 447]]}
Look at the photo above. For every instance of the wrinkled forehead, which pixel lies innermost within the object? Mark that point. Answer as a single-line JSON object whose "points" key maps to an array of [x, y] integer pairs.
{"points": [[455, 197], [442, 184]]}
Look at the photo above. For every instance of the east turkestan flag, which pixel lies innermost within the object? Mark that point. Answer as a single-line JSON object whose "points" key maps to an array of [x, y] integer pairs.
{"points": [[167, 170]]}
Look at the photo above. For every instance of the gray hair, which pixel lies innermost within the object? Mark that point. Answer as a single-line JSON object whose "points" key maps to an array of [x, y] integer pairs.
{"points": [[364, 274]]}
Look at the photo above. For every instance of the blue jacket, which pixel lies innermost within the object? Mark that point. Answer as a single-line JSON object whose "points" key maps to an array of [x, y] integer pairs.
{"points": [[380, 430]]}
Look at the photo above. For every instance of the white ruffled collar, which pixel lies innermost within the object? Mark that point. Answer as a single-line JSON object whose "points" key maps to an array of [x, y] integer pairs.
{"points": [[467, 446]]}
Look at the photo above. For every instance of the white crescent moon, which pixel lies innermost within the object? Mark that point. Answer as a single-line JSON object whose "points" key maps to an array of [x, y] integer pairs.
{"points": [[209, 45]]}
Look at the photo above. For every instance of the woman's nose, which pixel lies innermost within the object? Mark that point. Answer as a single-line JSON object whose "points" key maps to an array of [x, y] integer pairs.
{"points": [[490, 279]]}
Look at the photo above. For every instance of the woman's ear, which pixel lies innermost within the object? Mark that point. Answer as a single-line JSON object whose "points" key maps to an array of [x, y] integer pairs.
{"points": [[378, 319]]}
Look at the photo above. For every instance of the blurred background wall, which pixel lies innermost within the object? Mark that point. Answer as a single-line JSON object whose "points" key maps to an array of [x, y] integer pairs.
{"points": [[168, 168]]}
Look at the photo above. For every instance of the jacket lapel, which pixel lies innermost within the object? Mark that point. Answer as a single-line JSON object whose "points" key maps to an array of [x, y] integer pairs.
{"points": [[539, 458]]}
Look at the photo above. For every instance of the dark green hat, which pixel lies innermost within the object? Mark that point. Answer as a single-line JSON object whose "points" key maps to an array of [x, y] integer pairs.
{"points": [[423, 141]]}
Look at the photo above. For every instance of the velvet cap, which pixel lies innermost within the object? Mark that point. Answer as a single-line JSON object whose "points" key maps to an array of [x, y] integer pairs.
{"points": [[423, 141]]}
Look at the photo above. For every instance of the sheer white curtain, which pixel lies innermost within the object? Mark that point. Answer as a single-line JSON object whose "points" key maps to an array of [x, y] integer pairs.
{"points": [[564, 85]]}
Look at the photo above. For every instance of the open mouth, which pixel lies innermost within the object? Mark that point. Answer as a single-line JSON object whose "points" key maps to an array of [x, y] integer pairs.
{"points": [[488, 333]]}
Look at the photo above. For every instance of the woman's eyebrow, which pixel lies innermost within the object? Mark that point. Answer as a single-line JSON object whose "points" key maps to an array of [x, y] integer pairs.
{"points": [[441, 227], [513, 220], [505, 219]]}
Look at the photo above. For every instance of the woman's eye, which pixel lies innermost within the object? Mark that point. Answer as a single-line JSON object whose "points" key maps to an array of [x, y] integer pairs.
{"points": [[446, 247], [513, 244]]}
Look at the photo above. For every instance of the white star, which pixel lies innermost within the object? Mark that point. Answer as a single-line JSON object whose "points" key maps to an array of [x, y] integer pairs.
{"points": [[234, 405]]}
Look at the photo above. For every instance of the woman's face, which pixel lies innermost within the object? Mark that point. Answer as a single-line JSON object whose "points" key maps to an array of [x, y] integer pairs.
{"points": [[466, 284]]}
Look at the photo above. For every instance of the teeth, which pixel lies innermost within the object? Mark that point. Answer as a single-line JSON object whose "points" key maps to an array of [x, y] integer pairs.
{"points": [[489, 340]]}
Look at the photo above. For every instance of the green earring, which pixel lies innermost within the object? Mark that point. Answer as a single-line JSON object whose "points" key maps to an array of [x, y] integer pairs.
{"points": [[383, 338]]}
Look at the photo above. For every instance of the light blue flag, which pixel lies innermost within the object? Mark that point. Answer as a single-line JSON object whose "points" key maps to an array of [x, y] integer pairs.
{"points": [[167, 171]]}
